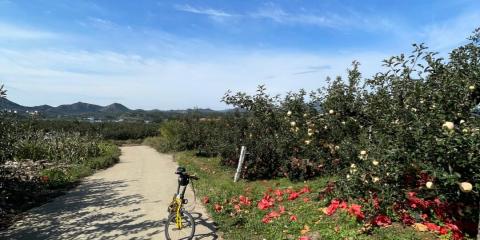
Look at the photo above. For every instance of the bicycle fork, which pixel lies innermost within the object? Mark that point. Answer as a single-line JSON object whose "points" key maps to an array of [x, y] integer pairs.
{"points": [[178, 217]]}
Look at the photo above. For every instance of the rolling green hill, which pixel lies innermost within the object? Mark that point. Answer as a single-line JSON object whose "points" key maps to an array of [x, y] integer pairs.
{"points": [[92, 112]]}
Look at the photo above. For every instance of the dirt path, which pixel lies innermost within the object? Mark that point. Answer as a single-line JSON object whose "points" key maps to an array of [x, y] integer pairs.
{"points": [[126, 201]]}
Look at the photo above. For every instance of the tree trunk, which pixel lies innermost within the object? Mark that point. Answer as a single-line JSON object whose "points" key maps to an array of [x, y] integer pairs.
{"points": [[478, 228]]}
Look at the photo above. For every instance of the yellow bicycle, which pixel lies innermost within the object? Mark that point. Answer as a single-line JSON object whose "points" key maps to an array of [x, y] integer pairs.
{"points": [[180, 223]]}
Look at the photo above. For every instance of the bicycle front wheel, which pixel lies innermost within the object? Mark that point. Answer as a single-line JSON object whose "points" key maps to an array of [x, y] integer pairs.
{"points": [[185, 232]]}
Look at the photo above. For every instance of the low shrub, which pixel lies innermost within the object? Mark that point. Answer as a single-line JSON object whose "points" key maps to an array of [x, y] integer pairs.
{"points": [[8, 136], [120, 131], [54, 178], [65, 147]]}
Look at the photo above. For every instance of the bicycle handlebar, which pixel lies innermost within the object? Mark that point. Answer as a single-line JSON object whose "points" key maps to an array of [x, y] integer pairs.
{"points": [[194, 177]]}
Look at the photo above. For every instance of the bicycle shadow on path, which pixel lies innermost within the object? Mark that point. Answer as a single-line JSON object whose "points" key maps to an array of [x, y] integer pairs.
{"points": [[96, 209], [209, 228], [126, 201]]}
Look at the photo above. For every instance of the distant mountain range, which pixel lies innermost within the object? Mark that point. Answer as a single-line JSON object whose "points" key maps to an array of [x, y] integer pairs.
{"points": [[115, 111]]}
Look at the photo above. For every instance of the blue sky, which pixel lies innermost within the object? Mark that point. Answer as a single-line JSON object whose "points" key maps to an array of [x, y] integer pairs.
{"points": [[183, 54]]}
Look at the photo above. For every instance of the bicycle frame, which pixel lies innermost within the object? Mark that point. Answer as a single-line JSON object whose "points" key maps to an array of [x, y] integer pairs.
{"points": [[178, 217], [179, 198]]}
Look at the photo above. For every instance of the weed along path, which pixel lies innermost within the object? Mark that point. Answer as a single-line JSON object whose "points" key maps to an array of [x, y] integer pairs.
{"points": [[126, 201]]}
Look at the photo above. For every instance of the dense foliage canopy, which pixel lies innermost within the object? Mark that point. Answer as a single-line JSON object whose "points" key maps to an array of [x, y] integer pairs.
{"points": [[409, 129]]}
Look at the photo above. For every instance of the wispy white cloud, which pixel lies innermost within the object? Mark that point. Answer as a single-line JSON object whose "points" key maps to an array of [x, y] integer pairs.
{"points": [[16, 32], [166, 82], [99, 23], [313, 69], [215, 14], [450, 33], [277, 14], [270, 11], [343, 18]]}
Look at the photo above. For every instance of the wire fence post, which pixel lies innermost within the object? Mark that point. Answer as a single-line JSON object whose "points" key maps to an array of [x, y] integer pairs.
{"points": [[240, 163]]}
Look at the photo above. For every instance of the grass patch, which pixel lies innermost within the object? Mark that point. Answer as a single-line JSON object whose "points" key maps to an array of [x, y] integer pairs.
{"points": [[216, 183]]}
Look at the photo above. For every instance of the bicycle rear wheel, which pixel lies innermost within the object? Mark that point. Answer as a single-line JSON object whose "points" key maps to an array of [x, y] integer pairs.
{"points": [[172, 232]]}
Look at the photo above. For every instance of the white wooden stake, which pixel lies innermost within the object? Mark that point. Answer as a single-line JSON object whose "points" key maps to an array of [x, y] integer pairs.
{"points": [[240, 163]]}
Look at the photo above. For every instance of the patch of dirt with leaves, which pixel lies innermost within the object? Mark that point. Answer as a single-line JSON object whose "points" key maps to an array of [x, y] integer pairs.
{"points": [[22, 187]]}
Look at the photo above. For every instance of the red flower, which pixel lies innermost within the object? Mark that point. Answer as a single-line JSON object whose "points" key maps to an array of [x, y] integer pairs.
{"points": [[457, 234], [382, 220], [306, 199], [218, 208], [237, 207], [417, 202], [293, 196], [356, 210], [424, 216], [274, 214], [279, 199], [206, 200], [432, 226], [281, 209], [443, 230], [293, 218], [266, 219], [407, 219], [305, 189], [266, 202], [343, 205], [453, 227], [333, 207], [278, 192], [304, 238], [244, 200]]}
